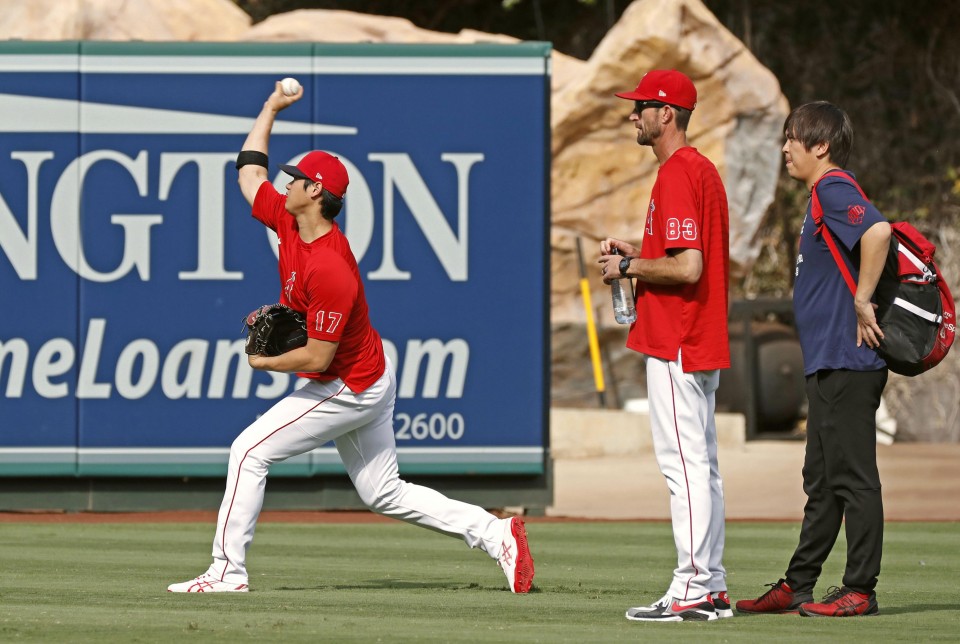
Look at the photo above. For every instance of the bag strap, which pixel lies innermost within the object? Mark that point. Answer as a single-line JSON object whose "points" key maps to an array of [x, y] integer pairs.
{"points": [[817, 212]]}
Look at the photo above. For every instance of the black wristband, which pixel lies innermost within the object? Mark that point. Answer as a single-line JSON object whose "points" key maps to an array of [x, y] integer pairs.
{"points": [[251, 157]]}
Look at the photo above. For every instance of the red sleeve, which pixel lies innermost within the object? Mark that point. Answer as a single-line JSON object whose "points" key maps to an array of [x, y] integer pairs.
{"points": [[679, 205], [268, 205], [331, 289]]}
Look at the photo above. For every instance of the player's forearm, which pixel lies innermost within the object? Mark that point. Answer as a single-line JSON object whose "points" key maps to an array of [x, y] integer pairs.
{"points": [[252, 175], [293, 361], [314, 357], [874, 246], [682, 268], [259, 137]]}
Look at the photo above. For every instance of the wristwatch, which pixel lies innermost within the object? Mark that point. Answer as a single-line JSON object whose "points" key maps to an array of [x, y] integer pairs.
{"points": [[624, 266]]}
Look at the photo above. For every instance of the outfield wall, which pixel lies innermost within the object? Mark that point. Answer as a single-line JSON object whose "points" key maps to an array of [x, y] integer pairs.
{"points": [[128, 256]]}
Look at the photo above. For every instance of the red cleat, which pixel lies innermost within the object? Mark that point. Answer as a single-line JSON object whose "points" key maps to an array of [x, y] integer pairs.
{"points": [[514, 558]]}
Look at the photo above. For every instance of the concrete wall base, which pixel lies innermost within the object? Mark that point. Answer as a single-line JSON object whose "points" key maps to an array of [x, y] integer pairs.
{"points": [[594, 433]]}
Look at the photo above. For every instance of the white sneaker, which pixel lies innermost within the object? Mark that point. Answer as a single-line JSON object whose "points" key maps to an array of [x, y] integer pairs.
{"points": [[207, 584], [668, 609], [514, 558]]}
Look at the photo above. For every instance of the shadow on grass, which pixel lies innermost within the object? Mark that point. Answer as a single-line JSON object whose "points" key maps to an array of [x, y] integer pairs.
{"points": [[884, 610], [917, 608], [400, 584]]}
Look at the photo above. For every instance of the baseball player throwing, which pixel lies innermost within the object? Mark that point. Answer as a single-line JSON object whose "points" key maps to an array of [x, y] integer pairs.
{"points": [[681, 328], [351, 389]]}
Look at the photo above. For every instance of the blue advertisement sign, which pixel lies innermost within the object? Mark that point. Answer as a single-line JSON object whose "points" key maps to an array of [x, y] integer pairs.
{"points": [[128, 256]]}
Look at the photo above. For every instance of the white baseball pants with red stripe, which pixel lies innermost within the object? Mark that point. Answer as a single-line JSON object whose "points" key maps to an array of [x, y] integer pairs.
{"points": [[682, 407], [361, 426]]}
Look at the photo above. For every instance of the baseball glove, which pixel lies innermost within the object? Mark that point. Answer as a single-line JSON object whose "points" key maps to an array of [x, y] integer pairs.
{"points": [[274, 329]]}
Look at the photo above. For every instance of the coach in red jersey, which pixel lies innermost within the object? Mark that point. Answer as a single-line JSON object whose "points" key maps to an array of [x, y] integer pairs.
{"points": [[351, 387], [682, 274]]}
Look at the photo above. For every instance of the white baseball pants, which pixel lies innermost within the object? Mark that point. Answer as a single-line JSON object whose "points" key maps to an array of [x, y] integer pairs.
{"points": [[361, 426], [682, 407]]}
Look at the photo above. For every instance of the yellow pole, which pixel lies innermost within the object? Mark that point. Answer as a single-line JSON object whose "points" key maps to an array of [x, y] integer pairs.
{"points": [[591, 330]]}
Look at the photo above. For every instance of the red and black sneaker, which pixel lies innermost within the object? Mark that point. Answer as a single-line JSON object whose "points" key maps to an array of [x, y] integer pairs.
{"points": [[842, 602], [779, 599]]}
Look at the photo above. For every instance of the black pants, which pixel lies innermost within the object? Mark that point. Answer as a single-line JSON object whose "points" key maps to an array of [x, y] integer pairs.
{"points": [[841, 479]]}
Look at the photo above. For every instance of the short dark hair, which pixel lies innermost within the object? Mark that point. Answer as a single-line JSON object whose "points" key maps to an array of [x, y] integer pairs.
{"points": [[330, 204], [683, 117], [822, 122]]}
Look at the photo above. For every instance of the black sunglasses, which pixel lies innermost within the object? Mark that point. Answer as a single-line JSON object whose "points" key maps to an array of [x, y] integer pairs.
{"points": [[639, 106]]}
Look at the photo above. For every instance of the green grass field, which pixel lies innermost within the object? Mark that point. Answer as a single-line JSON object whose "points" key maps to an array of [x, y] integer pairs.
{"points": [[396, 583]]}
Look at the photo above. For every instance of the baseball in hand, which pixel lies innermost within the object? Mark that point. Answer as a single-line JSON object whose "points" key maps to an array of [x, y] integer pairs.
{"points": [[290, 86]]}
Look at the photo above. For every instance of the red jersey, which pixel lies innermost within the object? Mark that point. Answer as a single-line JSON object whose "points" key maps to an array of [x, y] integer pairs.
{"points": [[688, 209], [321, 280]]}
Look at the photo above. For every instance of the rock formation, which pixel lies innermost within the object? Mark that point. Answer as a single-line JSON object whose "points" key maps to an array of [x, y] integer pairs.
{"points": [[151, 20]]}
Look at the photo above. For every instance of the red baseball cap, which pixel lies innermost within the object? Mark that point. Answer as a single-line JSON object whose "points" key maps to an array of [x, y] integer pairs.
{"points": [[318, 166], [666, 86]]}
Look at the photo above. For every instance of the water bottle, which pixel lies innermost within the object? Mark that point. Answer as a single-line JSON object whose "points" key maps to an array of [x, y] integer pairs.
{"points": [[624, 310]]}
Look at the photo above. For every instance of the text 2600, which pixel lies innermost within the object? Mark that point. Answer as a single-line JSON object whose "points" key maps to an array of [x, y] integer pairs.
{"points": [[429, 426]]}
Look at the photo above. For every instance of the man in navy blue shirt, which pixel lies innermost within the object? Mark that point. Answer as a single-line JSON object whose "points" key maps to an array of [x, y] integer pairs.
{"points": [[844, 375]]}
